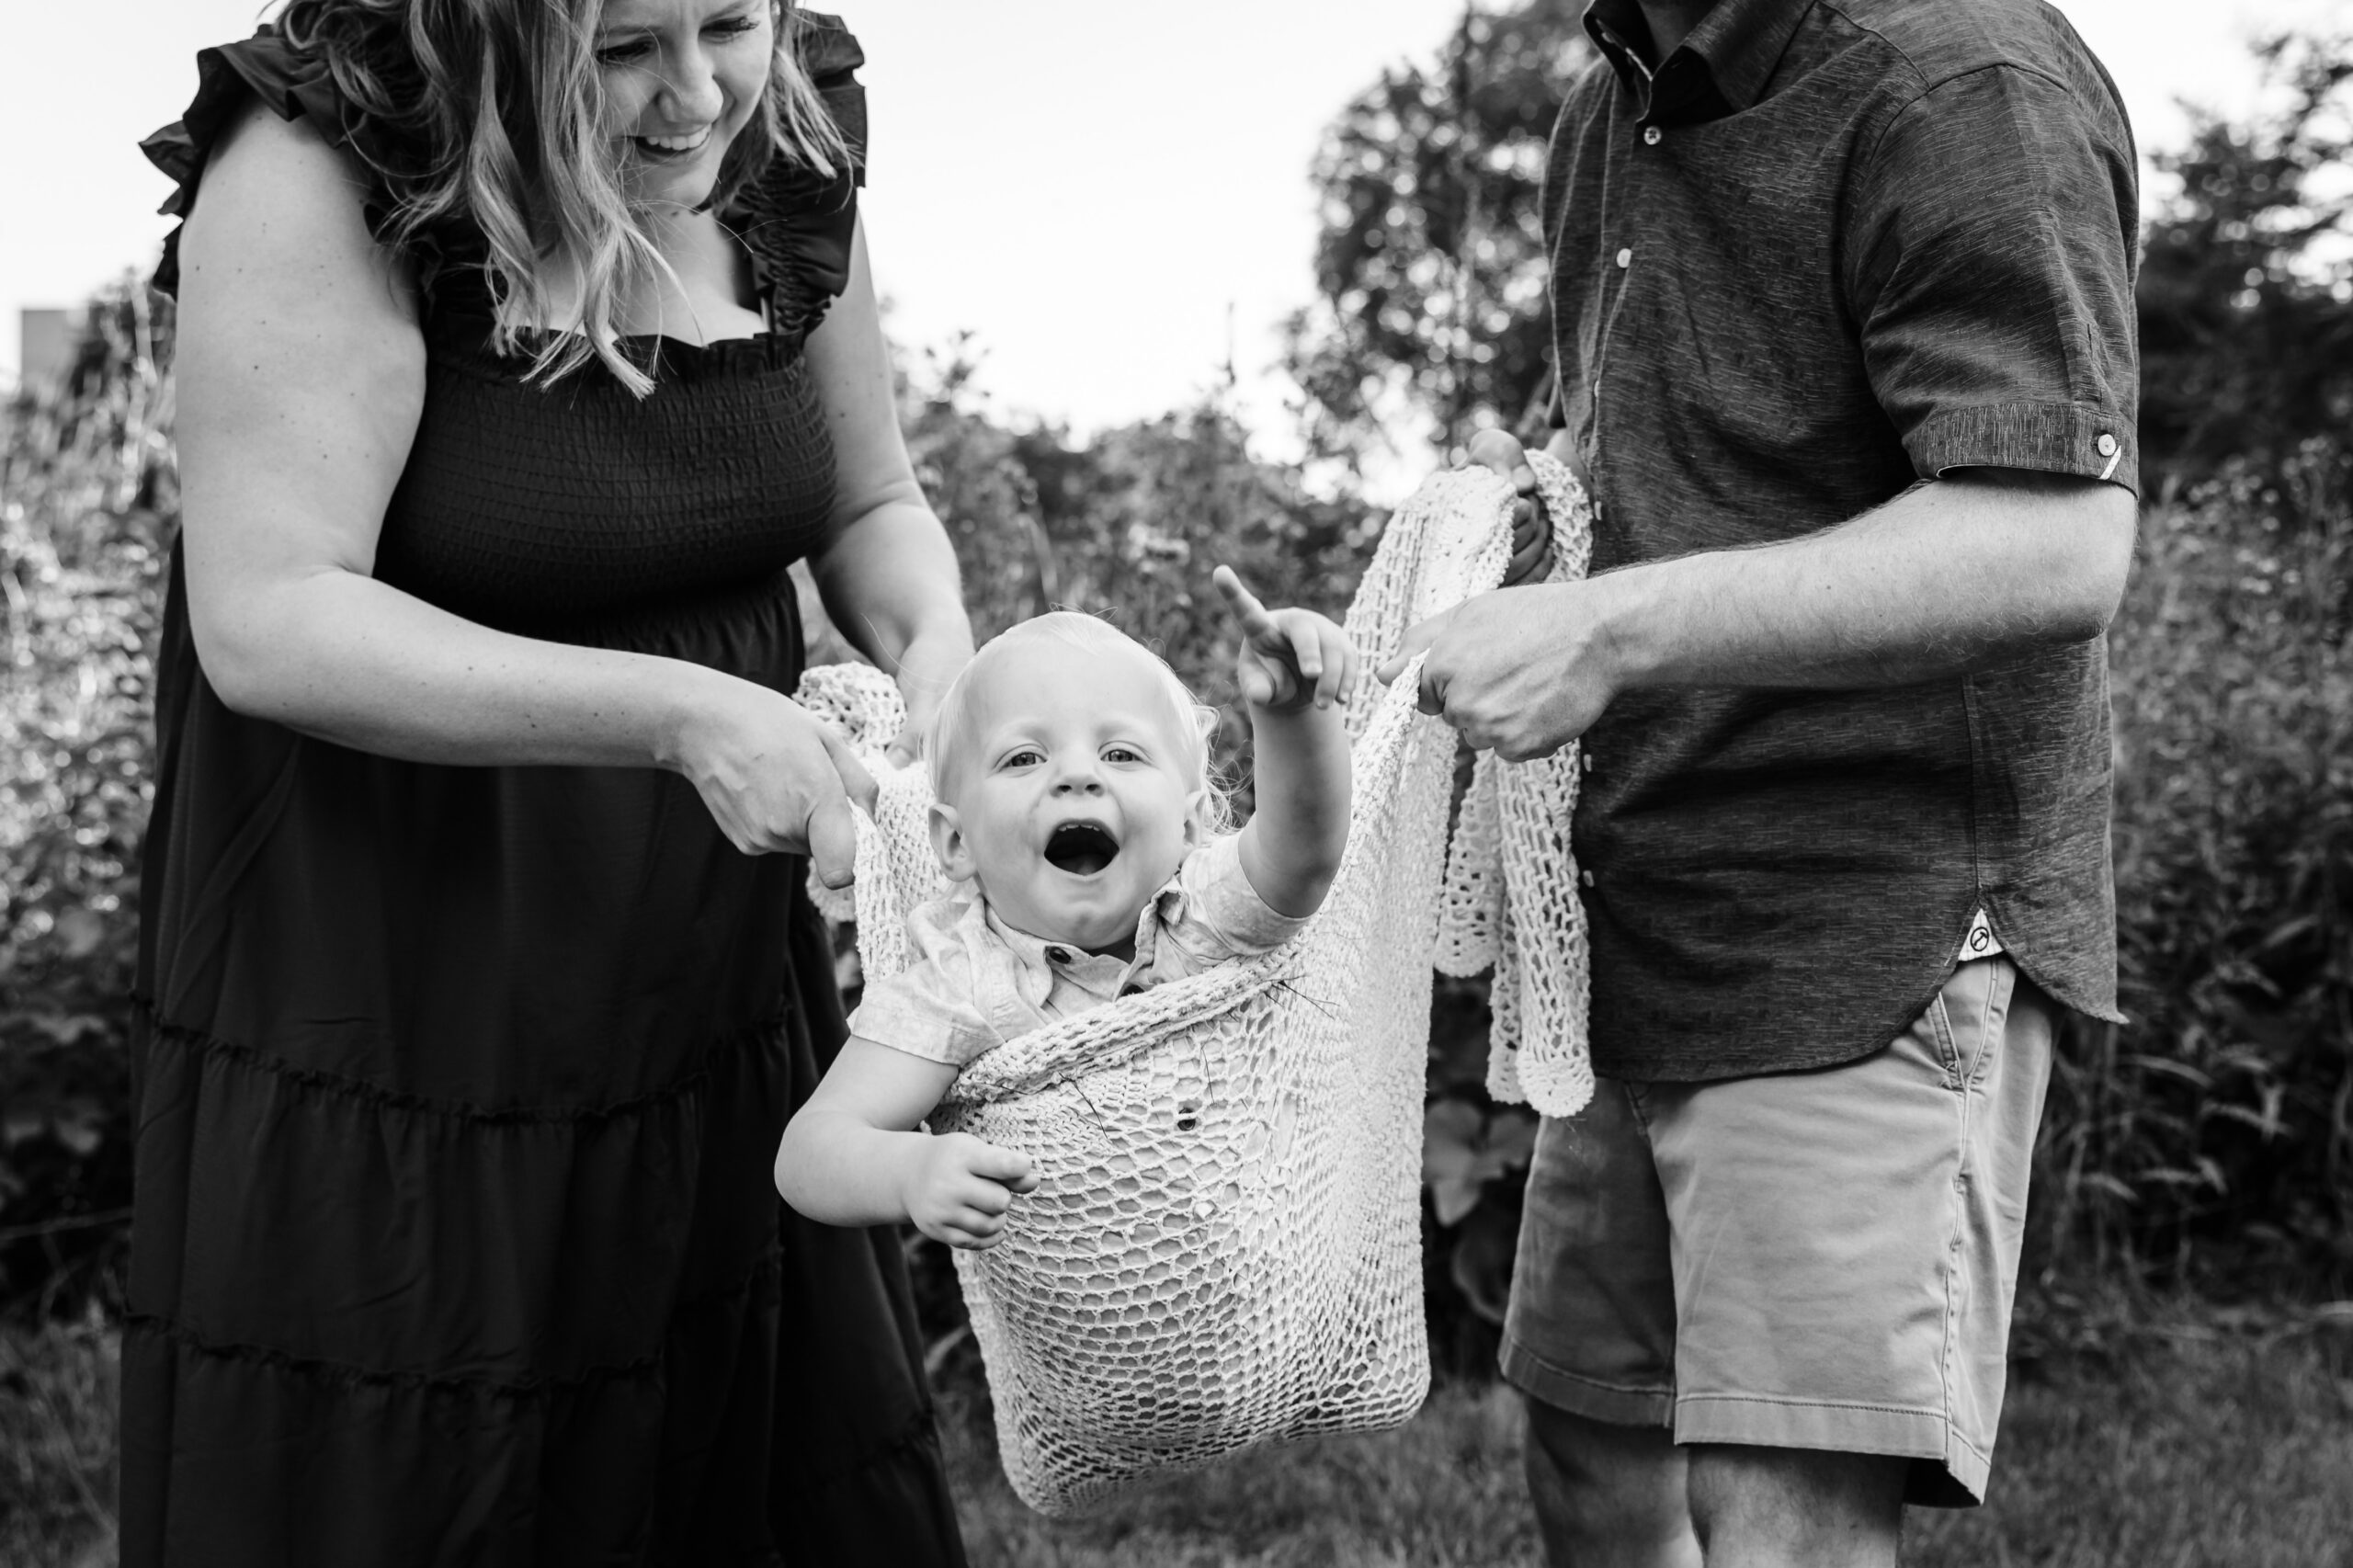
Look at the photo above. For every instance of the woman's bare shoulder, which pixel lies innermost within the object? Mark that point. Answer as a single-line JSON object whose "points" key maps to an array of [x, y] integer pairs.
{"points": [[279, 202]]}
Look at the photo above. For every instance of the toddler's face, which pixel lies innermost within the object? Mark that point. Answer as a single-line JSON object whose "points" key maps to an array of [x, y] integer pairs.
{"points": [[1072, 796]]}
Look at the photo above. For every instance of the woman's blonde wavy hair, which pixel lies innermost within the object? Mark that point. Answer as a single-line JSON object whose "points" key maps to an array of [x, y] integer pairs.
{"points": [[494, 114]]}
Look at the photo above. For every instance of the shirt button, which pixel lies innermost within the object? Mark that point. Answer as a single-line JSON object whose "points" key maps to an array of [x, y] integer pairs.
{"points": [[1653, 136], [1586, 759], [1586, 877], [2106, 444], [1058, 955], [1625, 259]]}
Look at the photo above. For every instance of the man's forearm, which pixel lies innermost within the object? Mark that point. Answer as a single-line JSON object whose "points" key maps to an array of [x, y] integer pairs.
{"points": [[1946, 578]]}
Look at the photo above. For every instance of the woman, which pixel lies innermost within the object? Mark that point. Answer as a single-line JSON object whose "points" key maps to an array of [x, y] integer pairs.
{"points": [[523, 343]]}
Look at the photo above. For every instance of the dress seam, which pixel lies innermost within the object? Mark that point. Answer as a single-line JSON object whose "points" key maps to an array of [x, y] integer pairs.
{"points": [[329, 1369], [688, 1083]]}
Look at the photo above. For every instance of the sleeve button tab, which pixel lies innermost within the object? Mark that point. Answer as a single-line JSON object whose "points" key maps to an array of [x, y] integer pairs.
{"points": [[2106, 444]]}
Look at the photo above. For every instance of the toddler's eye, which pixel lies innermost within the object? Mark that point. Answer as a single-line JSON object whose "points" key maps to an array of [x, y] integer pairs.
{"points": [[1121, 754], [1027, 756]]}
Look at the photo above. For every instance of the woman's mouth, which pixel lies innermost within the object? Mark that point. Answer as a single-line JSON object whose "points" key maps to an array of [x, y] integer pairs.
{"points": [[660, 148], [1082, 849]]}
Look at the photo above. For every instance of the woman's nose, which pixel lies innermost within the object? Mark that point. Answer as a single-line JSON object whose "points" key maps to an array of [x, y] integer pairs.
{"points": [[690, 93]]}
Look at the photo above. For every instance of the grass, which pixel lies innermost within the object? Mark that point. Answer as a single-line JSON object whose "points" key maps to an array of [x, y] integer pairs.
{"points": [[2173, 1445], [2177, 1446], [57, 1422]]}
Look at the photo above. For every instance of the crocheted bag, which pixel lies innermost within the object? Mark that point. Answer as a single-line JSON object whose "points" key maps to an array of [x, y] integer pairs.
{"points": [[1224, 1249]]}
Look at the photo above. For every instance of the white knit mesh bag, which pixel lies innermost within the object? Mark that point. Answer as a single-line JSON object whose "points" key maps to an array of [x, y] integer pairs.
{"points": [[1224, 1249]]}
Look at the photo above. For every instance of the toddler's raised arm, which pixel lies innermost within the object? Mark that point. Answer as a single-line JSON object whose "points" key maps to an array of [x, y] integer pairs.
{"points": [[852, 1156], [1294, 667]]}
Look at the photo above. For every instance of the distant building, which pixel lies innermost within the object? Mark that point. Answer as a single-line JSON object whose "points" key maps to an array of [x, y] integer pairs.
{"points": [[45, 345]]}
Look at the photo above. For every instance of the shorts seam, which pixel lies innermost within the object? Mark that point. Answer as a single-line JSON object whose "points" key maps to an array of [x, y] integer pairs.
{"points": [[1518, 1347], [1776, 1402]]}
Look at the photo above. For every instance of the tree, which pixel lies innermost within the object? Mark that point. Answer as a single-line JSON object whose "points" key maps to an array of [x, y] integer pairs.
{"points": [[2247, 288], [1431, 268]]}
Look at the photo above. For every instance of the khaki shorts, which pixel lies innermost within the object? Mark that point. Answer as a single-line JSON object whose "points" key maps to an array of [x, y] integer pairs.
{"points": [[1805, 1260]]}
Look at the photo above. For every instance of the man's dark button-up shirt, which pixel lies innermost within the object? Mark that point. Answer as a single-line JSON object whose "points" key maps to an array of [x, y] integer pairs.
{"points": [[1829, 249]]}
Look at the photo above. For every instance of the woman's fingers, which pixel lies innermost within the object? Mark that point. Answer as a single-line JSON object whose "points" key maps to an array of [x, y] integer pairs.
{"points": [[832, 836], [857, 783]]}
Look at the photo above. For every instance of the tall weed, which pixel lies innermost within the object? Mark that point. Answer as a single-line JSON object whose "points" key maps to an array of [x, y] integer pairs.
{"points": [[2214, 1131]]}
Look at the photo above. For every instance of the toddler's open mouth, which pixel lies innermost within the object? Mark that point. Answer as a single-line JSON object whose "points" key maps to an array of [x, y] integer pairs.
{"points": [[1082, 849]]}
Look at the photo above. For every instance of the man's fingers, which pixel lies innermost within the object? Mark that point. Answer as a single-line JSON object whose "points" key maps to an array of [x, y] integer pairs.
{"points": [[1430, 696], [1417, 641]]}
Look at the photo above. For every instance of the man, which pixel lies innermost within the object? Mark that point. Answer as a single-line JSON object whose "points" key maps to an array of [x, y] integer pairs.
{"points": [[1843, 313]]}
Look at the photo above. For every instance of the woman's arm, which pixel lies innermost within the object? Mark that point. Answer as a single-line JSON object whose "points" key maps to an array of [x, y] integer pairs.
{"points": [[851, 1157], [888, 577], [1293, 666], [301, 376]]}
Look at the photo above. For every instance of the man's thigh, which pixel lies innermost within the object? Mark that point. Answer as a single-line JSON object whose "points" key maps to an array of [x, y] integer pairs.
{"points": [[1840, 1246]]}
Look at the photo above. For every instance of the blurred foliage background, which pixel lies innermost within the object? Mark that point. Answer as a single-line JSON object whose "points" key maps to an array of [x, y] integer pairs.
{"points": [[2208, 1142]]}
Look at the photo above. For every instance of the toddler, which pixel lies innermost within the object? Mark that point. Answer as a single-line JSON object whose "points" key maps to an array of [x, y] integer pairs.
{"points": [[1075, 810]]}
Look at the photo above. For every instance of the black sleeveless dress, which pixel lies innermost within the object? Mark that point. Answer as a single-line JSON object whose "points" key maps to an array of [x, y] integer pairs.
{"points": [[458, 1088]]}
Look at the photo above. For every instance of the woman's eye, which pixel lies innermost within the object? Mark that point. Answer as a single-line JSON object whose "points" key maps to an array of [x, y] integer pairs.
{"points": [[622, 54], [731, 27]]}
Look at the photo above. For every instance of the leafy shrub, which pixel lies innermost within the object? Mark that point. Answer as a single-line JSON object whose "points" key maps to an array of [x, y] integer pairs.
{"points": [[2218, 1124], [88, 497]]}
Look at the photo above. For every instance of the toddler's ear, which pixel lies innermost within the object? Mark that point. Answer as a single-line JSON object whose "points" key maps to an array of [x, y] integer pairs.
{"points": [[1197, 818], [948, 845]]}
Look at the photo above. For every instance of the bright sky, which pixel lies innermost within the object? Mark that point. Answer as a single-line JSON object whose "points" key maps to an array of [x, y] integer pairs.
{"points": [[1096, 188]]}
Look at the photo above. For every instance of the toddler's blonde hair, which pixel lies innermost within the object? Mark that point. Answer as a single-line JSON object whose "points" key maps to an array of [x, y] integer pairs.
{"points": [[1191, 721]]}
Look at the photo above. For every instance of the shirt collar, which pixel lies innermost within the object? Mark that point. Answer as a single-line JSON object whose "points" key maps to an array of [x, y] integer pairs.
{"points": [[1040, 956], [1731, 54]]}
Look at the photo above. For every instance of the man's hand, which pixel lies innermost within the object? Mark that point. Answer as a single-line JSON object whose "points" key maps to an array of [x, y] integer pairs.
{"points": [[1291, 659], [1519, 671], [960, 1187], [1531, 524]]}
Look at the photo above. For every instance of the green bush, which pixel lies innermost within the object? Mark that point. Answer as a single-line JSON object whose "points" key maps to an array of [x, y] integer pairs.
{"points": [[88, 497], [2215, 1132]]}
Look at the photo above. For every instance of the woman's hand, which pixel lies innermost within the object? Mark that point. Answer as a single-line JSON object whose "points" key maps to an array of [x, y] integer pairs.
{"points": [[958, 1188], [774, 778], [1531, 524], [926, 671]]}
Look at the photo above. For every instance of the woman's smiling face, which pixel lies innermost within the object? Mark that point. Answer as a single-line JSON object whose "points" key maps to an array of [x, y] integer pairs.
{"points": [[682, 79]]}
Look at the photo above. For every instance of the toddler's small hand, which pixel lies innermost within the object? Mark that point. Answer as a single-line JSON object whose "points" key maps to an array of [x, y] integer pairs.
{"points": [[961, 1186], [1291, 659]]}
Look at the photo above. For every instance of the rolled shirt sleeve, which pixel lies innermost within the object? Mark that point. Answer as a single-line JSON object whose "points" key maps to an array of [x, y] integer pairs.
{"points": [[1992, 274], [1219, 915]]}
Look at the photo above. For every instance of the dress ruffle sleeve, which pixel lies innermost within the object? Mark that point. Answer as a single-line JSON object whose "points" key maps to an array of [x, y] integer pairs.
{"points": [[290, 83], [799, 224]]}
